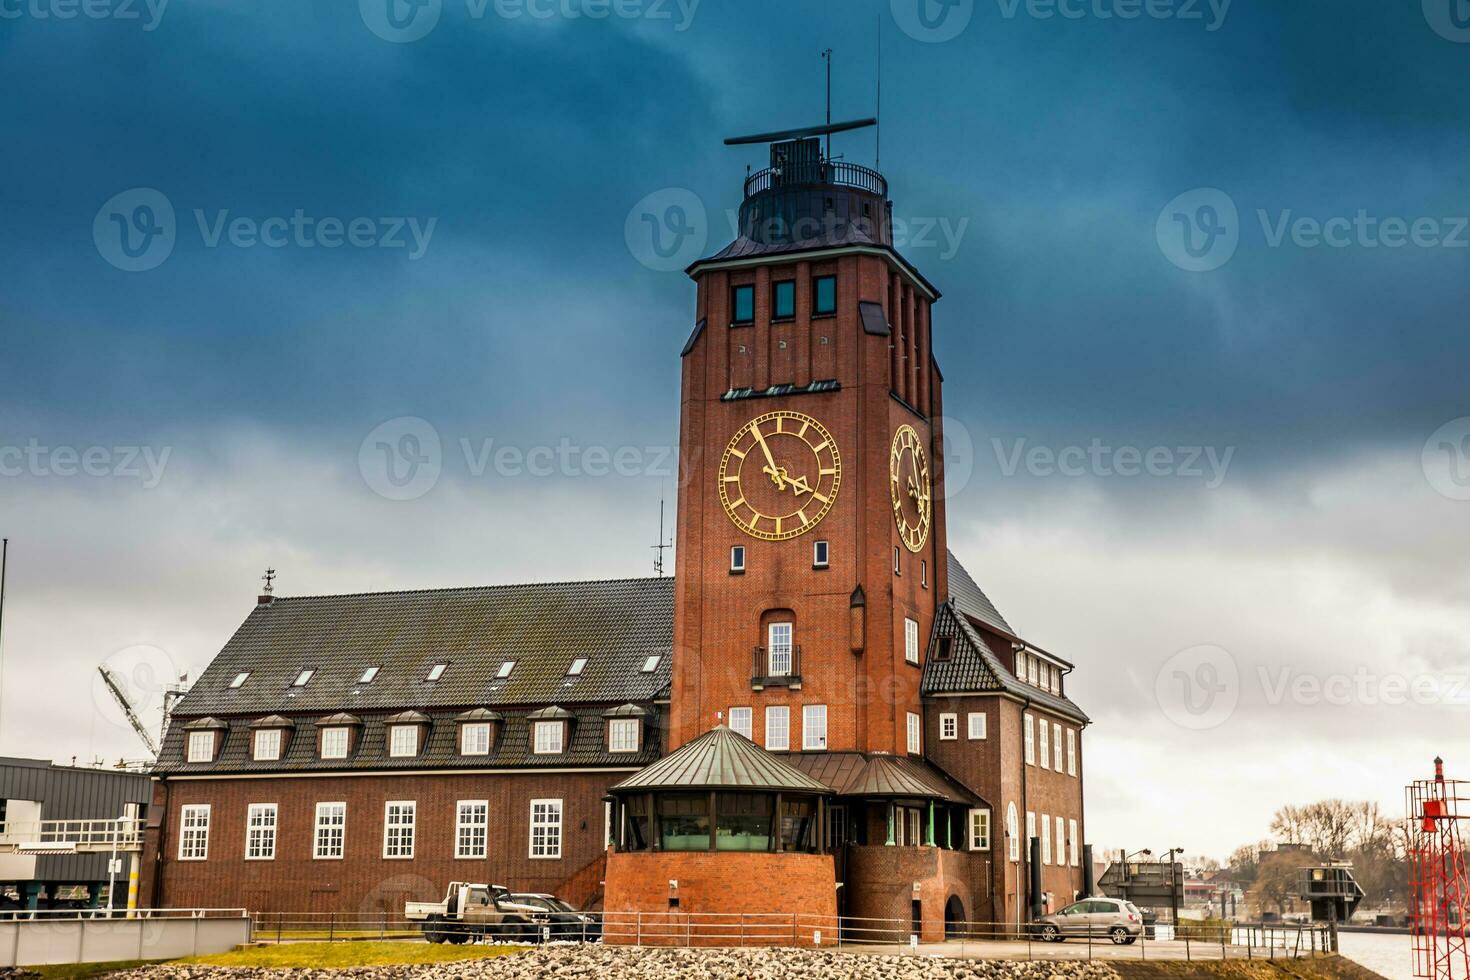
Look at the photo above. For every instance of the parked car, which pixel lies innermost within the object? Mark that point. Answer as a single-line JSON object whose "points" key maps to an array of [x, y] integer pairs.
{"points": [[471, 912], [565, 921], [1116, 918]]}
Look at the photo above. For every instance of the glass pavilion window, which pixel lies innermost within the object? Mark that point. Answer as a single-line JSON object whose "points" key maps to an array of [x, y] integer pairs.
{"points": [[743, 822], [683, 820]]}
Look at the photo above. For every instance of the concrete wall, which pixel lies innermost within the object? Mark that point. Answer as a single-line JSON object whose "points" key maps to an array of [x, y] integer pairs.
{"points": [[39, 942]]}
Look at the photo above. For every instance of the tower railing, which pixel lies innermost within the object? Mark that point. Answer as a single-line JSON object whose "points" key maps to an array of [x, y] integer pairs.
{"points": [[833, 172]]}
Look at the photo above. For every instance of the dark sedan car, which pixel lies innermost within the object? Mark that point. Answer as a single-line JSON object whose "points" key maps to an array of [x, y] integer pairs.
{"points": [[566, 923]]}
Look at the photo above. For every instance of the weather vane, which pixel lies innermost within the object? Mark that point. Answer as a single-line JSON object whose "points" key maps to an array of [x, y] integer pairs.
{"points": [[269, 579]]}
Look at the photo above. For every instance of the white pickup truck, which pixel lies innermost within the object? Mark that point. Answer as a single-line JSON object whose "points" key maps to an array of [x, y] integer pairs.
{"points": [[472, 912]]}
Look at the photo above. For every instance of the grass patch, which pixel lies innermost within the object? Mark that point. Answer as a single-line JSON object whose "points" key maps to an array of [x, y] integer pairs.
{"points": [[339, 956]]}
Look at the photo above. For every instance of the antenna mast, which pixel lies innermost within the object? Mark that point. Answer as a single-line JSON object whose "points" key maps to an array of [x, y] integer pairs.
{"points": [[662, 546], [878, 109], [827, 57]]}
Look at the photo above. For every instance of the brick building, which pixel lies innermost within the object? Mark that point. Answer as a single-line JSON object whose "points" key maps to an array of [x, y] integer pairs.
{"points": [[921, 759]]}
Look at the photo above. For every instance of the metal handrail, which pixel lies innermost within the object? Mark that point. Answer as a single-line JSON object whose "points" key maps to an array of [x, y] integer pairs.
{"points": [[762, 671], [834, 172], [124, 832]]}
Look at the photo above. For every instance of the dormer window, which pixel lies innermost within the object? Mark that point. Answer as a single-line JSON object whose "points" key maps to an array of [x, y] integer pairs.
{"points": [[239, 680], [577, 667], [474, 738], [549, 737], [369, 675], [335, 742], [403, 741], [650, 664], [303, 678], [201, 747], [267, 745], [437, 671], [505, 669], [622, 735]]}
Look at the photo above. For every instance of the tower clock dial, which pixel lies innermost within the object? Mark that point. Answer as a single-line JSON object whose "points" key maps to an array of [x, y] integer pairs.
{"points": [[779, 475], [908, 469]]}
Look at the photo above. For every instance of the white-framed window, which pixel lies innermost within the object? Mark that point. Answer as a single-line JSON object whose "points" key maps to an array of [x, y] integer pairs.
{"points": [[194, 832], [814, 727], [1072, 836], [897, 568], [1056, 747], [549, 737], [911, 641], [1013, 833], [369, 675], [923, 573], [267, 744], [546, 828], [331, 832], [1029, 724], [437, 671], [1045, 840], [1030, 831], [821, 554], [915, 734], [741, 720], [737, 558], [505, 670], [201, 747], [239, 680], [474, 738], [778, 649], [949, 727], [1071, 752], [1061, 841], [471, 828], [976, 722], [1032, 668], [303, 678], [650, 664], [1045, 744], [403, 741], [778, 727], [398, 828], [980, 829], [335, 741], [578, 665], [622, 735], [260, 832], [1021, 665]]}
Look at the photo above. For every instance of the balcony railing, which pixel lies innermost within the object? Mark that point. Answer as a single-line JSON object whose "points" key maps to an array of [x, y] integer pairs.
{"points": [[776, 667], [829, 172]]}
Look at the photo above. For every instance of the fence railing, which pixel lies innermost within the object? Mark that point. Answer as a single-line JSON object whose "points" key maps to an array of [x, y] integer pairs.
{"points": [[974, 939], [94, 835], [97, 936]]}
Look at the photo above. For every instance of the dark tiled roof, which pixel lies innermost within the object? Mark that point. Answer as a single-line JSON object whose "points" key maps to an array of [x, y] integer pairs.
{"points": [[972, 601], [875, 775], [512, 748], [721, 759], [615, 624]]}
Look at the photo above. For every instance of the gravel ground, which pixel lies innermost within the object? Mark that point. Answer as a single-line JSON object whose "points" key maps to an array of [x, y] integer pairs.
{"points": [[624, 963]]}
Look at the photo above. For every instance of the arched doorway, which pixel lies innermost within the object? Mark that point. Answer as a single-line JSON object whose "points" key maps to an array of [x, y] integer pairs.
{"points": [[954, 918]]}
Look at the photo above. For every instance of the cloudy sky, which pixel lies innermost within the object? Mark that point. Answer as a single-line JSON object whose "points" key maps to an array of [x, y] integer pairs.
{"points": [[1203, 333]]}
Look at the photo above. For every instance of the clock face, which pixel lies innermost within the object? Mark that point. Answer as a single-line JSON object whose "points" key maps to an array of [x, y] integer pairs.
{"points": [[779, 475], [908, 470]]}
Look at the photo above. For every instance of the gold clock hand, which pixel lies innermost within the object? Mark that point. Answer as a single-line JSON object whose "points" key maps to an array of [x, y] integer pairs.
{"points": [[770, 460], [800, 485]]}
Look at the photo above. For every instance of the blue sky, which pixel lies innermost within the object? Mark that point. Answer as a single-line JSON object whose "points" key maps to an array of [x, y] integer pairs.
{"points": [[1048, 147]]}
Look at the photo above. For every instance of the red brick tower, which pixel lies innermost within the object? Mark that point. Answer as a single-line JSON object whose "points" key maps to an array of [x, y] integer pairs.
{"points": [[811, 547]]}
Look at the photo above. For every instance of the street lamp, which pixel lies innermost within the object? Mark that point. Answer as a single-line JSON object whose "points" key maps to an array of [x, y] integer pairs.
{"points": [[1126, 856], [1174, 890]]}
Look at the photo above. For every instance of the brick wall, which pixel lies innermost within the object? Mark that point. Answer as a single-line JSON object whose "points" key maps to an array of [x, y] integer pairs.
{"points": [[881, 887]]}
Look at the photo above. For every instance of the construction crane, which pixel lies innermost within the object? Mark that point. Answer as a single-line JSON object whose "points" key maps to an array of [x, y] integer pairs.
{"points": [[116, 690]]}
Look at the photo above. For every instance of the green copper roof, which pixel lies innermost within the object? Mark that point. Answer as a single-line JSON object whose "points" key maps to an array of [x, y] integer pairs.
{"points": [[721, 759]]}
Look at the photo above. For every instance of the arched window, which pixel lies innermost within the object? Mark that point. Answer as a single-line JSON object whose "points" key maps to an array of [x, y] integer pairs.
{"points": [[1013, 832]]}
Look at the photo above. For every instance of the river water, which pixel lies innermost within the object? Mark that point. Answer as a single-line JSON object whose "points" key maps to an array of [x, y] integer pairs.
{"points": [[1382, 953]]}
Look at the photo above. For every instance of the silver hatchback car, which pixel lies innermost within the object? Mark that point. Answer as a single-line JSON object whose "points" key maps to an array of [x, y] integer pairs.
{"points": [[1115, 918]]}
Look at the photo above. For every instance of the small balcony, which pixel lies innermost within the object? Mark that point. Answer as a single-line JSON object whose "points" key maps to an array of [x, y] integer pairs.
{"points": [[776, 667]]}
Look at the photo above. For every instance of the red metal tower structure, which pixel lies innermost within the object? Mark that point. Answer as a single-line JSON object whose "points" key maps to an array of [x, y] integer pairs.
{"points": [[1439, 887]]}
